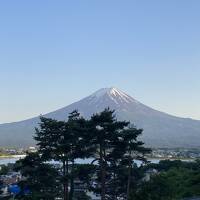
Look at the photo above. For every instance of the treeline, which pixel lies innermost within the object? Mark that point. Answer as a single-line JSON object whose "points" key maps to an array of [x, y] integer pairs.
{"points": [[173, 180], [111, 144]]}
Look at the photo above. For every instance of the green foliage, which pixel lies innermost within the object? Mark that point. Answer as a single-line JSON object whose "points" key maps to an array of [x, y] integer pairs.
{"points": [[103, 134], [158, 188], [64, 142], [39, 177], [113, 144], [4, 169], [1, 184], [175, 181]]}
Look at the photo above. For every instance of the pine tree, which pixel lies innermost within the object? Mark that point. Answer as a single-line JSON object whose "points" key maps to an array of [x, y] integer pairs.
{"points": [[116, 147], [64, 142], [103, 136], [50, 139], [76, 128], [134, 150]]}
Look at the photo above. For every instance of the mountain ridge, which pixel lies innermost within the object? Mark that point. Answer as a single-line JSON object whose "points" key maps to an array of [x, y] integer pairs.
{"points": [[160, 129], [164, 112]]}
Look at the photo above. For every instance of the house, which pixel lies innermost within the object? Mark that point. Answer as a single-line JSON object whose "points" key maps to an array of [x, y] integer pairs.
{"points": [[10, 178], [148, 174]]}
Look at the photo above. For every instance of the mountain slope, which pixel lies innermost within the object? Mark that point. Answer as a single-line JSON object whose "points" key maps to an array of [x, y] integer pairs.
{"points": [[160, 129]]}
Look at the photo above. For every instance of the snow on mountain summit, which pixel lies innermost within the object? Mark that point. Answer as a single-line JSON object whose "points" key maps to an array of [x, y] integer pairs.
{"points": [[114, 94]]}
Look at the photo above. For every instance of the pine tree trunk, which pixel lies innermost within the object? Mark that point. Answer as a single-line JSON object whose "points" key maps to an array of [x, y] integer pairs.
{"points": [[65, 184], [129, 182], [102, 166], [115, 185], [72, 182]]}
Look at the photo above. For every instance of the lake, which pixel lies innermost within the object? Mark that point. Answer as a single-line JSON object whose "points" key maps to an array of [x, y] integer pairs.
{"points": [[5, 161]]}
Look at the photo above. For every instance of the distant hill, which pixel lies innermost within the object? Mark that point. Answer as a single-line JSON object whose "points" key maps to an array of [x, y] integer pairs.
{"points": [[160, 129]]}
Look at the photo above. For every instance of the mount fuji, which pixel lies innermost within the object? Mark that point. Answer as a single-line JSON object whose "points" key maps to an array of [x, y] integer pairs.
{"points": [[160, 129]]}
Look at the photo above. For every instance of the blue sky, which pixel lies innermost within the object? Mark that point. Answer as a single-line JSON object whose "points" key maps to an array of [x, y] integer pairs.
{"points": [[53, 53]]}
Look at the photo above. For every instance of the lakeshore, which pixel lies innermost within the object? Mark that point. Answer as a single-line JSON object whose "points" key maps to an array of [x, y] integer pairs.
{"points": [[12, 159]]}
